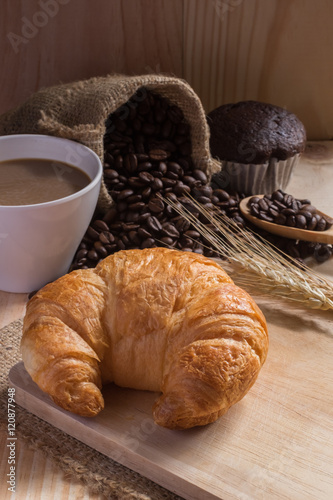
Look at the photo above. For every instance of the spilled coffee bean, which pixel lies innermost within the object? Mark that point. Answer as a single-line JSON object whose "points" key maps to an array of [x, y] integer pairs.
{"points": [[147, 153]]}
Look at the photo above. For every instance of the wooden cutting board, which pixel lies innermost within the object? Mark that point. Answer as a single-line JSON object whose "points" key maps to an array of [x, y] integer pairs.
{"points": [[276, 443]]}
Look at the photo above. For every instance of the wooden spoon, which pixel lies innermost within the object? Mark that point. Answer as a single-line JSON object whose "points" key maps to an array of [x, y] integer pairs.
{"points": [[286, 231]]}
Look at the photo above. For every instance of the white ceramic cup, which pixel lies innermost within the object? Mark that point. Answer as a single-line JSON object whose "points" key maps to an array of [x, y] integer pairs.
{"points": [[38, 242]]}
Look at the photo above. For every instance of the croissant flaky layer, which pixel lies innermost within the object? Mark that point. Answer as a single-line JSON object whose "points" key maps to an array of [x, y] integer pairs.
{"points": [[155, 319]]}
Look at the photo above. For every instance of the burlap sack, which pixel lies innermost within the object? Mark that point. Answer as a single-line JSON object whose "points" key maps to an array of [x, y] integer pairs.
{"points": [[78, 111]]}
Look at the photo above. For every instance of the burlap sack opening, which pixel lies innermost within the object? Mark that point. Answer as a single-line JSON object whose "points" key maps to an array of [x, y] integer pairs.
{"points": [[78, 111]]}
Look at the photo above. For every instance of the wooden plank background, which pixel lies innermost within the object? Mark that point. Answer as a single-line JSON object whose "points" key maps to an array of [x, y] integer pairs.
{"points": [[277, 51]]}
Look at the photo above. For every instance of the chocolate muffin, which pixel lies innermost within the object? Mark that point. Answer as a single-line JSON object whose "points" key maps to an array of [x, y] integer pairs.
{"points": [[258, 144]]}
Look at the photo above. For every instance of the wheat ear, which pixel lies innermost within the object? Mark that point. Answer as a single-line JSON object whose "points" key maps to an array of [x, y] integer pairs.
{"points": [[252, 256]]}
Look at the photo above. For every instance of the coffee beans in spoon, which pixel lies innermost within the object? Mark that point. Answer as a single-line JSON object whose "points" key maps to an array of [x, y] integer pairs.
{"points": [[283, 209]]}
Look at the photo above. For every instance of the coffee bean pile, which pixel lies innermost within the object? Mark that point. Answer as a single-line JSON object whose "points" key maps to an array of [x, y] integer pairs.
{"points": [[283, 209], [147, 155]]}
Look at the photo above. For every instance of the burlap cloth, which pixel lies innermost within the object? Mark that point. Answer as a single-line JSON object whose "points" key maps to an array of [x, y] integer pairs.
{"points": [[99, 473], [78, 111]]}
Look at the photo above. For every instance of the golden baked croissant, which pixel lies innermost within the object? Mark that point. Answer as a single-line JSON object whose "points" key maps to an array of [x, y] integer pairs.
{"points": [[155, 319]]}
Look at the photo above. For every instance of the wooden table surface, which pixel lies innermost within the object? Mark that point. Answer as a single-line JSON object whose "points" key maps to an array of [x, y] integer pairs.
{"points": [[37, 477]]}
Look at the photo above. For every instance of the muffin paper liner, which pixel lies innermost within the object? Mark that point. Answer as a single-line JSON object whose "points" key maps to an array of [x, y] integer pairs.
{"points": [[252, 179]]}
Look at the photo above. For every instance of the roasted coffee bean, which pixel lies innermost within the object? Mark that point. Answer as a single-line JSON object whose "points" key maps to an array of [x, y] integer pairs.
{"points": [[233, 211], [134, 238], [192, 234], [162, 167], [81, 254], [221, 194], [205, 191], [277, 196], [182, 225], [125, 193], [273, 212], [130, 163], [132, 216], [200, 176], [168, 182], [136, 207], [169, 229], [154, 224], [157, 184], [146, 192], [306, 214], [92, 255], [329, 221], [116, 226], [171, 196], [291, 221], [157, 174], [323, 253], [186, 242], [148, 243], [145, 177], [180, 189], [264, 216], [288, 211], [106, 237], [158, 154], [233, 202], [300, 221], [110, 215], [263, 205], [143, 218], [135, 182], [254, 200], [175, 167], [287, 200], [100, 249], [130, 227], [120, 244], [321, 224], [155, 205], [119, 162], [125, 239], [309, 208], [92, 233], [255, 210], [296, 205], [143, 233], [279, 205], [135, 198], [144, 166], [110, 174], [100, 225], [189, 181], [81, 264], [142, 157], [239, 221], [171, 175], [312, 223], [305, 201], [203, 199]]}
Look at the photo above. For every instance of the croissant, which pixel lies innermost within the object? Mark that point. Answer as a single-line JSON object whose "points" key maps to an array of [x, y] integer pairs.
{"points": [[154, 319]]}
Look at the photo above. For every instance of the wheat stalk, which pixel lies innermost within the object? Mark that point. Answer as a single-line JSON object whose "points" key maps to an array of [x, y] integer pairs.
{"points": [[252, 257]]}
